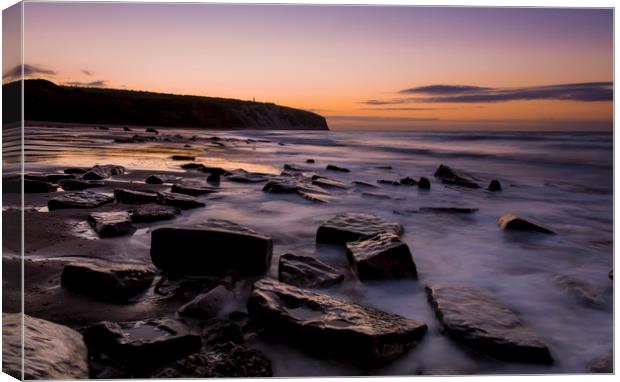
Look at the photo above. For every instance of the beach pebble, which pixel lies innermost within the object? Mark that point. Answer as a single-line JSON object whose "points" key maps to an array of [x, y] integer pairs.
{"points": [[111, 224], [351, 226], [126, 196], [78, 199], [517, 223], [148, 213], [382, 256], [307, 272], [184, 202]]}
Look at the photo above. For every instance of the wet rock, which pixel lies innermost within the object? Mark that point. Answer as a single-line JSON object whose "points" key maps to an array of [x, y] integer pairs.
{"points": [[213, 247], [104, 128], [142, 345], [78, 199], [364, 184], [495, 186], [38, 186], [184, 202], [331, 167], [449, 210], [160, 179], [604, 364], [295, 168], [111, 224], [379, 257], [214, 178], [611, 274], [143, 138], [192, 187], [322, 181], [125, 128], [125, 196], [579, 289], [79, 184], [281, 186], [221, 331], [351, 226], [330, 327], [378, 195], [192, 166], [208, 304], [424, 183], [214, 170], [309, 160], [151, 130], [51, 351], [52, 178], [315, 197], [383, 167], [307, 272], [183, 157], [408, 181], [108, 282], [389, 182], [477, 318], [242, 176], [148, 213], [103, 172], [455, 177], [76, 170], [225, 361], [517, 223]]}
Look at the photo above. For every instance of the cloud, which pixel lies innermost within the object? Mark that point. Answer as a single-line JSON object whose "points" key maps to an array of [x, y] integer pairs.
{"points": [[401, 108], [444, 89], [87, 72], [29, 71], [98, 83]]}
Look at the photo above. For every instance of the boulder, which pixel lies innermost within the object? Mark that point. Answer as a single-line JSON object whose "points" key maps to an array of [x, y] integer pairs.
{"points": [[408, 181], [125, 196], [208, 304], [183, 157], [160, 179], [142, 345], [219, 331], [307, 272], [192, 187], [579, 289], [214, 178], [76, 170], [108, 282], [184, 202], [331, 167], [424, 183], [100, 172], [242, 176], [213, 247], [474, 316], [351, 226], [38, 186], [494, 186], [78, 199], [382, 256], [111, 224], [517, 223], [455, 177], [79, 184], [330, 327], [148, 213], [51, 351]]}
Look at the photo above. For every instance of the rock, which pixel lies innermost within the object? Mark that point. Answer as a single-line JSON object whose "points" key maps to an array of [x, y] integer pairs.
{"points": [[330, 327], [424, 183], [151, 130], [214, 178], [111, 224], [379, 257], [379, 195], [148, 213], [192, 187], [364, 184], [143, 138], [79, 184], [495, 186], [389, 182], [192, 166], [351, 226], [281, 186], [214, 170], [579, 289], [408, 181], [243, 176], [307, 272], [52, 351], [208, 304], [449, 210], [183, 157], [309, 160], [52, 178], [108, 282], [228, 361], [142, 345], [455, 177], [295, 168], [103, 172], [78, 199], [184, 202], [331, 167], [125, 196], [604, 364], [213, 247], [517, 223], [475, 317], [315, 197], [384, 167], [125, 128], [104, 128], [322, 181], [160, 179], [76, 170], [611, 274], [221, 331], [38, 186]]}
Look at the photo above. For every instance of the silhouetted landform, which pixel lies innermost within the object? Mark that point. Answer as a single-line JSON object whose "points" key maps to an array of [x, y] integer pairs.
{"points": [[46, 101]]}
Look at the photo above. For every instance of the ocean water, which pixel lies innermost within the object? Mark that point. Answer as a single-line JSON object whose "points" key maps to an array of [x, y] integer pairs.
{"points": [[564, 180]]}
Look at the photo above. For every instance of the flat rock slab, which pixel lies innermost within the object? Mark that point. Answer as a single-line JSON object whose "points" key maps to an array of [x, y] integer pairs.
{"points": [[52, 351], [78, 199], [38, 186], [52, 178], [208, 304], [182, 201], [329, 182], [307, 272], [142, 345], [148, 213], [125, 196], [213, 247], [108, 282], [516, 223], [315, 196], [100, 172], [242, 176], [477, 318], [330, 327], [331, 167], [79, 184], [455, 177], [111, 224], [379, 257], [160, 179], [183, 157], [364, 184], [193, 188], [351, 226]]}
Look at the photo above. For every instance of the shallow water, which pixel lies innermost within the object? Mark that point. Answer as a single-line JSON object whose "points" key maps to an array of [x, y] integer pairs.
{"points": [[562, 180]]}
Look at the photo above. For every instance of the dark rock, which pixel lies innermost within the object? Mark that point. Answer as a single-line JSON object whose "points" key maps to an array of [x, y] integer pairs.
{"points": [[455, 177], [495, 186], [103, 172], [229, 361], [281, 186], [125, 128], [192, 166], [384, 167], [78, 199], [315, 197], [151, 130], [220, 331], [214, 178], [109, 282], [309, 160], [322, 181], [243, 176], [111, 224], [390, 182], [211, 248], [104, 128], [382, 256], [604, 364], [184, 202], [124, 140], [449, 210], [364, 184], [76, 170], [295, 168], [142, 345], [148, 213], [160, 179], [52, 178], [424, 183], [208, 304], [79, 184], [475, 317], [307, 272], [408, 181], [125, 196], [329, 327], [379, 195], [351, 226], [611, 274], [214, 170], [143, 138], [192, 187], [579, 289], [331, 167], [38, 186], [183, 157], [517, 223]]}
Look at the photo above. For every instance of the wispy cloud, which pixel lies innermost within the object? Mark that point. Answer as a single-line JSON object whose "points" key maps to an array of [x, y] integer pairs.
{"points": [[445, 89], [97, 83], [29, 71], [401, 108], [87, 72]]}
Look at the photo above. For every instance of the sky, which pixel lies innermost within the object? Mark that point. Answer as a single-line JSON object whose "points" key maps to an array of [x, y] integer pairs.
{"points": [[362, 67]]}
